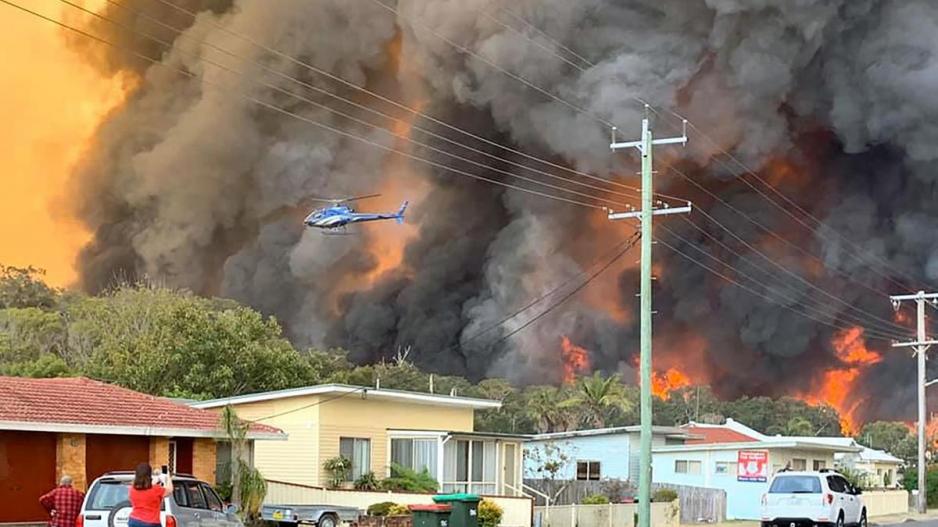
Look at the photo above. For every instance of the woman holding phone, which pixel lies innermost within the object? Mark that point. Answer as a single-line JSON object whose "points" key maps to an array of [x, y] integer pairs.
{"points": [[146, 496]]}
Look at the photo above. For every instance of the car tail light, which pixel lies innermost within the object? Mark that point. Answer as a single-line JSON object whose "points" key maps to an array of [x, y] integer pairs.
{"points": [[170, 520], [829, 498], [80, 520]]}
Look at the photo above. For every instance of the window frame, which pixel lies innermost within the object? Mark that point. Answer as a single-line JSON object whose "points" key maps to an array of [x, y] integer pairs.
{"points": [[365, 470], [732, 467], [208, 492], [197, 487], [590, 473], [467, 485]]}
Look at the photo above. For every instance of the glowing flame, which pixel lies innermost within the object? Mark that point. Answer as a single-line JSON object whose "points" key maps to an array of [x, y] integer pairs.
{"points": [[662, 384], [837, 389], [575, 360]]}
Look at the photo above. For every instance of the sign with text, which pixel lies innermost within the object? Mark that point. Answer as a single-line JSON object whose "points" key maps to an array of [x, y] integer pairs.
{"points": [[753, 465]]}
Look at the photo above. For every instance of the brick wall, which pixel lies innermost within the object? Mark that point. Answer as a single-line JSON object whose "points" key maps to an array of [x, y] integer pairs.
{"points": [[70, 459], [159, 451], [385, 521], [203, 459]]}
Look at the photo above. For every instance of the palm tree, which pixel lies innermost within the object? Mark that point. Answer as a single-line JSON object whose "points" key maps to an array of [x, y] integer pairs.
{"points": [[598, 396], [236, 432], [550, 408]]}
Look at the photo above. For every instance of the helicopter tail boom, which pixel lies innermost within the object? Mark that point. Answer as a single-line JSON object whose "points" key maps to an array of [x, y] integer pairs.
{"points": [[399, 217]]}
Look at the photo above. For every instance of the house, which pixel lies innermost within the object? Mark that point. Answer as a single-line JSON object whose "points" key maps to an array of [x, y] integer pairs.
{"points": [[740, 461], [375, 428], [84, 428], [880, 469], [590, 455]]}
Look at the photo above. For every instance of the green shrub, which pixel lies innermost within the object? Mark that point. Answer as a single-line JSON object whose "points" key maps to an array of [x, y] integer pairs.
{"points": [[339, 468], [595, 499], [490, 514], [224, 491], [406, 480], [664, 496], [910, 483], [399, 510], [380, 509], [367, 481]]}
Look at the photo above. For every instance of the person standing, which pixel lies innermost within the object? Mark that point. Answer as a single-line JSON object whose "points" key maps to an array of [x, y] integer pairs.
{"points": [[146, 496], [63, 503]]}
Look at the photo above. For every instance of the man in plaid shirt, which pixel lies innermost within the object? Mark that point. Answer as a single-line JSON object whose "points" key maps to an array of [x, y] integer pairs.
{"points": [[63, 503]]}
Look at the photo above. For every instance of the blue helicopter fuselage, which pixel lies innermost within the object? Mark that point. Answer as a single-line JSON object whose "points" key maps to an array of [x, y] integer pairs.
{"points": [[341, 215]]}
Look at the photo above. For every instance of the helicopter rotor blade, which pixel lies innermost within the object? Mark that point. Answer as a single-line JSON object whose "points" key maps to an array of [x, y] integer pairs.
{"points": [[342, 200], [366, 196]]}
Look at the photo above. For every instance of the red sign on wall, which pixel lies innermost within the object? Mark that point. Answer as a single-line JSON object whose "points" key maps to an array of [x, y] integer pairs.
{"points": [[753, 465]]}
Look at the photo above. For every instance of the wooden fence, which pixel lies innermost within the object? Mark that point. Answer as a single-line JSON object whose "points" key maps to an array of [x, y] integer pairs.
{"points": [[697, 504]]}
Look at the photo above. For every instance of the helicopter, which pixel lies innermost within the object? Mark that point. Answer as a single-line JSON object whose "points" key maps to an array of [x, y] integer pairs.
{"points": [[338, 215]]}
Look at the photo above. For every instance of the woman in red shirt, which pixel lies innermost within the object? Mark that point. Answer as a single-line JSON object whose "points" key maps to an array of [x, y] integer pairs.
{"points": [[146, 497]]}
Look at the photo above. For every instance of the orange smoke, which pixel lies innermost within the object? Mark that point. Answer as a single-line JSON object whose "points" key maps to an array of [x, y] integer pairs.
{"points": [[576, 360], [52, 103], [662, 384], [837, 388]]}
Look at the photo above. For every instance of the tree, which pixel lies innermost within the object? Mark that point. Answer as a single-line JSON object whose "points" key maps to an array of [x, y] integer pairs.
{"points": [[799, 426], [236, 433], [598, 396], [893, 437], [550, 408], [23, 287]]}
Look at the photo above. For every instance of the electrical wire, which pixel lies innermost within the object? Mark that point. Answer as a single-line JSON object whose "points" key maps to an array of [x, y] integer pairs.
{"points": [[345, 100], [168, 45], [399, 105], [804, 313], [558, 303], [362, 389], [818, 229], [294, 115], [873, 320]]}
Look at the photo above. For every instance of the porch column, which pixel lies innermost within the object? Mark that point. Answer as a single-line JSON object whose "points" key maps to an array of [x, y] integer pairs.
{"points": [[159, 452], [440, 460], [70, 459], [203, 459]]}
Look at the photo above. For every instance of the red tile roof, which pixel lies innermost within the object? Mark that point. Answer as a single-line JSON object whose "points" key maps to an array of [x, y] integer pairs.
{"points": [[709, 435], [85, 404]]}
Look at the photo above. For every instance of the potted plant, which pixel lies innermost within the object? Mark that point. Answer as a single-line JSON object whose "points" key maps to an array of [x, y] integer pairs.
{"points": [[339, 468]]}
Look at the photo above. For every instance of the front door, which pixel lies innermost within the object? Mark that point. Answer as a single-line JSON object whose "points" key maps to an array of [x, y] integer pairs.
{"points": [[509, 477]]}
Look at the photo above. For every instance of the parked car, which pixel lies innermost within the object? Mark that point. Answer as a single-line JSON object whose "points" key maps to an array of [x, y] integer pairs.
{"points": [[812, 498], [194, 503]]}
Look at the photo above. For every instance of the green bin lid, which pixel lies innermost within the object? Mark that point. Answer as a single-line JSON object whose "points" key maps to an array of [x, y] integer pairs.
{"points": [[443, 498]]}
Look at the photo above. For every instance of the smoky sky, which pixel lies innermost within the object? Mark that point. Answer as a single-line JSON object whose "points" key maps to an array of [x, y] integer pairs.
{"points": [[195, 186]]}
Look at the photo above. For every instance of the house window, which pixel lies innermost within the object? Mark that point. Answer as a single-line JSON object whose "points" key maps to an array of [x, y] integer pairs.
{"points": [[686, 467], [588, 470], [819, 465], [357, 450], [725, 468], [469, 466], [799, 464], [415, 454]]}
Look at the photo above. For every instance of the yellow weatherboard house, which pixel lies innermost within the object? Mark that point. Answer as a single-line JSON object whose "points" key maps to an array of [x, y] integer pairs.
{"points": [[375, 428]]}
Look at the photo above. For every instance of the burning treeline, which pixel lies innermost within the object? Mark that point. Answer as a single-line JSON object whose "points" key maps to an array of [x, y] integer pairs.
{"points": [[826, 103]]}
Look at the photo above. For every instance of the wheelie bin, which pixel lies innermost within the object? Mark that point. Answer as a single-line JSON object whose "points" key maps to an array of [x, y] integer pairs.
{"points": [[465, 509]]}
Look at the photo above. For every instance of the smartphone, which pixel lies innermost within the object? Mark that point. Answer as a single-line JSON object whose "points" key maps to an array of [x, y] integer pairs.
{"points": [[164, 469]]}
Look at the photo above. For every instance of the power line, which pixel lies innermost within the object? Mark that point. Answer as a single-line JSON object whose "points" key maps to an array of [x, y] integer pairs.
{"points": [[400, 105], [347, 116], [555, 305], [344, 100], [296, 116], [304, 407], [883, 323], [819, 230], [804, 313]]}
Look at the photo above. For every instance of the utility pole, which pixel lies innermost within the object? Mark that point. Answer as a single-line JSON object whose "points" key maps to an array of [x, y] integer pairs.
{"points": [[645, 145], [921, 345]]}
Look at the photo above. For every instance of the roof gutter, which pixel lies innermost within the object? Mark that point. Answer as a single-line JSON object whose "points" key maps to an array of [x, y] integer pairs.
{"points": [[148, 431]]}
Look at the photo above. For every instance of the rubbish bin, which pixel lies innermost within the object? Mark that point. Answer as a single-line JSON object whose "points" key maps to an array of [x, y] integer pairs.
{"points": [[465, 509], [431, 515]]}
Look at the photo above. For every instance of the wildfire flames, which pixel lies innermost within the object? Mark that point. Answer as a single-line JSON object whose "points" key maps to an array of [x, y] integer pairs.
{"points": [[575, 360], [662, 384], [837, 388]]}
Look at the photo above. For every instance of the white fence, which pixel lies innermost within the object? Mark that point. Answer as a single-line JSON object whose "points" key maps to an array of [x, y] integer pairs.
{"points": [[517, 510], [886, 502], [608, 515]]}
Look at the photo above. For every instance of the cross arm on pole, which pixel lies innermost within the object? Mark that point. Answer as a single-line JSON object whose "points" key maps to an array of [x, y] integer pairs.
{"points": [[655, 212], [929, 383], [925, 343]]}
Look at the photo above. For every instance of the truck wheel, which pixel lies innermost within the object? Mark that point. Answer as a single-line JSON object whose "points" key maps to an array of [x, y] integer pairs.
{"points": [[863, 521], [328, 520]]}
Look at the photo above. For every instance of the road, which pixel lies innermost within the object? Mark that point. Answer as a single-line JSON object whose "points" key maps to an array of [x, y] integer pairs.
{"points": [[925, 523]]}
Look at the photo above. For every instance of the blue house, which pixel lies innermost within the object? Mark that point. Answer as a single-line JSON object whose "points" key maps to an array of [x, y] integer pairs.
{"points": [[603, 453]]}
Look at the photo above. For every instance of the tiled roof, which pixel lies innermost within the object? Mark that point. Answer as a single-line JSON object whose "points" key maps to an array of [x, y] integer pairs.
{"points": [[86, 405], [714, 434]]}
